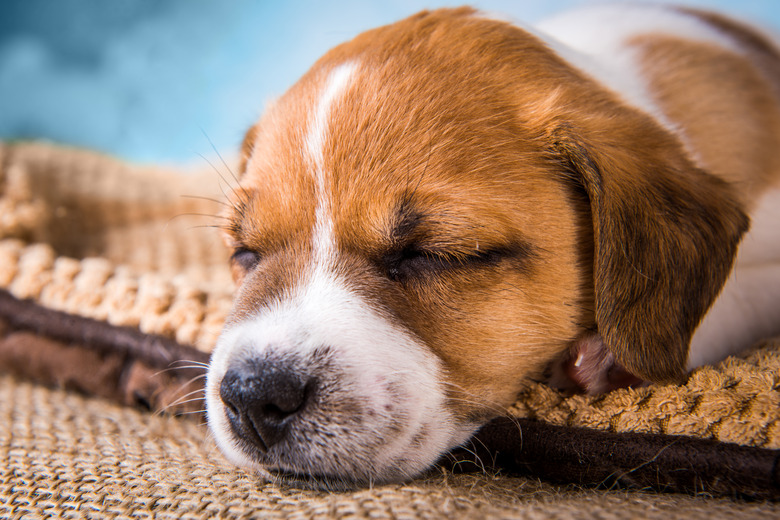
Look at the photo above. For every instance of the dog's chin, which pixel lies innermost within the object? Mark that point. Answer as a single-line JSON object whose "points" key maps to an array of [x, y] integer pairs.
{"points": [[348, 463], [324, 454]]}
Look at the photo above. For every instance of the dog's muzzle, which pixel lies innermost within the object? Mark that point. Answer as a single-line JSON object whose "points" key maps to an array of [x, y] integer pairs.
{"points": [[322, 384]]}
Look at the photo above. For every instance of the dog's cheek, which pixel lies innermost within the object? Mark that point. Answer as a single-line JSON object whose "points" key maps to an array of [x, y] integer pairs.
{"points": [[492, 329]]}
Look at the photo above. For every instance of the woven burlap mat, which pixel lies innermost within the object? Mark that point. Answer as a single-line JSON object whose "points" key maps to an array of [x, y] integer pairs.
{"points": [[66, 455]]}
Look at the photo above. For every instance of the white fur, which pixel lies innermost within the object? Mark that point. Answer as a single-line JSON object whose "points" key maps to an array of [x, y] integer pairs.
{"points": [[600, 33], [748, 307], [335, 86]]}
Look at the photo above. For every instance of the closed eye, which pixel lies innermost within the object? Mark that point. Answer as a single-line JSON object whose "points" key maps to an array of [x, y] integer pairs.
{"points": [[244, 258], [411, 262]]}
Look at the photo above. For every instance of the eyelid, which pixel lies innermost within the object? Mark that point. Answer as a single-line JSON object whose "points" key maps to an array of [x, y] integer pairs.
{"points": [[406, 263]]}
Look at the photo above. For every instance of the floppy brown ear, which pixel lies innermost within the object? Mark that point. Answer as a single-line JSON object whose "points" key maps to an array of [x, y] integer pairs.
{"points": [[665, 237]]}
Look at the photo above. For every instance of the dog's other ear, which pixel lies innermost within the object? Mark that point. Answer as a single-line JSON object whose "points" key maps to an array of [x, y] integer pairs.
{"points": [[665, 237], [246, 149]]}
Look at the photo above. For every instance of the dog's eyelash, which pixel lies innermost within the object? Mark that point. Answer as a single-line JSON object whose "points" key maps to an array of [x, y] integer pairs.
{"points": [[245, 258]]}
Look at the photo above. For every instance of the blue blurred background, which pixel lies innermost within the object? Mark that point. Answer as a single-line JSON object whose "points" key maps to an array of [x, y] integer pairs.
{"points": [[158, 81]]}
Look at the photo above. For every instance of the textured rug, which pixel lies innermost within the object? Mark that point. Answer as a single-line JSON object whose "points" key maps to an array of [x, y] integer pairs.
{"points": [[64, 455], [114, 283]]}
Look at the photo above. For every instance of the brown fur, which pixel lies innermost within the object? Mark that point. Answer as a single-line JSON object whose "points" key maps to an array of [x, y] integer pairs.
{"points": [[728, 108], [542, 204]]}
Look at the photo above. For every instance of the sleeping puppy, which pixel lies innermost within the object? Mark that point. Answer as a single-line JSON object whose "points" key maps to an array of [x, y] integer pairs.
{"points": [[445, 208]]}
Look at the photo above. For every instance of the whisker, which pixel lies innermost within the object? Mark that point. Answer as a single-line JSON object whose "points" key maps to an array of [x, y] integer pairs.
{"points": [[492, 453], [190, 367], [182, 400], [227, 183], [188, 394], [164, 371], [499, 409], [232, 174], [181, 403], [179, 400], [477, 459], [171, 369], [216, 201], [191, 361], [194, 412], [206, 226], [196, 378], [170, 220], [192, 214], [213, 147]]}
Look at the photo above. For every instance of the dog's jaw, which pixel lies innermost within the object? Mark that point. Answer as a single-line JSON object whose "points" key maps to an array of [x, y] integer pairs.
{"points": [[380, 412]]}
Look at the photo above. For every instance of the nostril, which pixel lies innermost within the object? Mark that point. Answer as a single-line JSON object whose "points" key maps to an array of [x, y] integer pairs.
{"points": [[273, 412], [261, 399], [289, 401]]}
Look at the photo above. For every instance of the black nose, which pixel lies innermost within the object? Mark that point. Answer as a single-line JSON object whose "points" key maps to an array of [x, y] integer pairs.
{"points": [[262, 398]]}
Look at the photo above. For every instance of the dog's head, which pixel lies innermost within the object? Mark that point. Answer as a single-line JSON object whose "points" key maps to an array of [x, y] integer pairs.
{"points": [[432, 214]]}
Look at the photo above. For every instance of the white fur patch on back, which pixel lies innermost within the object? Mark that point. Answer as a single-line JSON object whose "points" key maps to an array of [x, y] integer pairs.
{"points": [[593, 39], [598, 35]]}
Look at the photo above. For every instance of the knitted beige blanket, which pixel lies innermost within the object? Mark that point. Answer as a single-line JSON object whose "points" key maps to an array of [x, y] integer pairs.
{"points": [[112, 274]]}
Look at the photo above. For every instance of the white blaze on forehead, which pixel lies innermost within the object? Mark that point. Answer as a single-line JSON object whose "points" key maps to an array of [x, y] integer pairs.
{"points": [[335, 86]]}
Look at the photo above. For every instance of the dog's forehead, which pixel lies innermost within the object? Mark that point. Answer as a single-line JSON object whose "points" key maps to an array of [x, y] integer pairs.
{"points": [[390, 119]]}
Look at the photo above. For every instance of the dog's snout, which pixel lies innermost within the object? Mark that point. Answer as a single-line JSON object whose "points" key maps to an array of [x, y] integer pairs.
{"points": [[261, 399]]}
